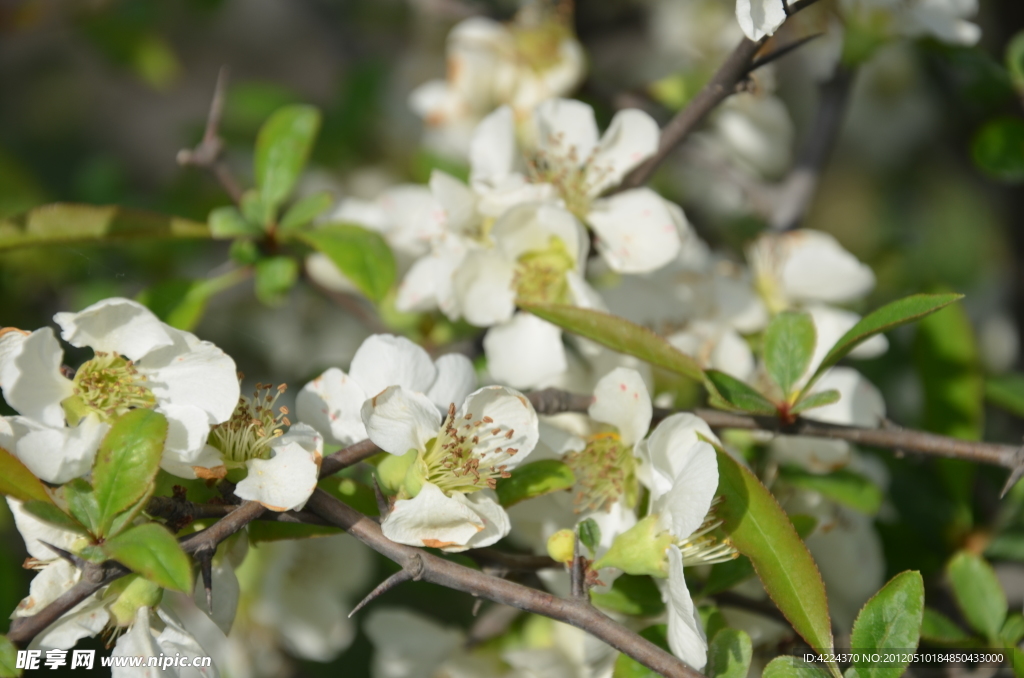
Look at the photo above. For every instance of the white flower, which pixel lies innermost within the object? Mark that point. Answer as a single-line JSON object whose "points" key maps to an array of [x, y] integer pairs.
{"points": [[139, 362], [286, 480], [332, 402], [525, 352], [158, 633], [759, 18], [445, 499]]}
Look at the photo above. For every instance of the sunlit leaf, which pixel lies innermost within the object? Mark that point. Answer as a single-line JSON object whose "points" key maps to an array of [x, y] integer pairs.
{"points": [[619, 335], [729, 654], [51, 514], [362, 255], [152, 551], [590, 534], [978, 593], [789, 342], [282, 149], [819, 399], [534, 479], [737, 394], [305, 210], [228, 222], [81, 502], [890, 621], [126, 463]]}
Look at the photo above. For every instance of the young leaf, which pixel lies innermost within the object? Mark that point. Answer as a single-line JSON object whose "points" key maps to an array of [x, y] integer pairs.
{"points": [[1013, 629], [978, 593], [891, 315], [891, 620], [737, 394], [154, 553], [305, 210], [760, 530], [843, 486], [282, 149], [793, 667], [362, 255], [729, 654], [590, 534], [619, 335], [67, 223], [631, 594], [939, 629], [534, 479], [274, 277], [256, 210], [126, 463], [82, 503], [228, 222], [53, 515], [812, 400], [8, 659], [18, 482], [125, 518], [789, 344]]}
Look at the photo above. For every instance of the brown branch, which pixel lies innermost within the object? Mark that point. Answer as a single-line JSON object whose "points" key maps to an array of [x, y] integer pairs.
{"points": [[800, 185], [207, 154], [445, 573], [349, 456], [722, 85]]}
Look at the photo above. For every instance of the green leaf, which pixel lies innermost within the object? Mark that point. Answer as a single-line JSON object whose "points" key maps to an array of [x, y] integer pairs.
{"points": [[18, 482], [789, 344], [8, 659], [843, 486], [899, 312], [152, 551], [69, 223], [305, 210], [627, 667], [619, 335], [590, 534], [978, 593], [282, 149], [534, 479], [82, 503], [635, 595], [126, 463], [939, 629], [1018, 662], [793, 667], [726, 575], [760, 530], [998, 149], [51, 514], [737, 394], [1007, 391], [362, 255], [1013, 629], [125, 518], [812, 400], [228, 222], [729, 654], [891, 620], [274, 277], [256, 210]]}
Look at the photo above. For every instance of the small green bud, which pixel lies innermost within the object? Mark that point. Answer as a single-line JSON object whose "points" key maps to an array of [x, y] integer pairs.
{"points": [[562, 545], [138, 592], [392, 469], [639, 550]]}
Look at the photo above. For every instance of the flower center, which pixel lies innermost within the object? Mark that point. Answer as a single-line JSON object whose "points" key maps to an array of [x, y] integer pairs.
{"points": [[540, 275], [253, 426], [108, 386], [605, 471], [460, 458]]}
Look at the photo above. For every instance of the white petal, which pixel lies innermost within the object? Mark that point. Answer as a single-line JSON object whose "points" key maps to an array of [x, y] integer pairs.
{"points": [[495, 520], [187, 429], [456, 379], [667, 449], [686, 504], [686, 636], [30, 375], [209, 457], [50, 583], [483, 287], [428, 284], [57, 455], [860, 402], [631, 138], [456, 199], [397, 420], [35, 532], [432, 519], [759, 18], [331, 404], [530, 227], [86, 620], [732, 355], [621, 399], [816, 267], [137, 642], [285, 481], [492, 152], [525, 352], [193, 372], [384, 360], [635, 231], [407, 644], [564, 125], [116, 325], [175, 640], [414, 218], [513, 424]]}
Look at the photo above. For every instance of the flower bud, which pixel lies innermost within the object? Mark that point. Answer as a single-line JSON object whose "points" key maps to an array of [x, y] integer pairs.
{"points": [[136, 593], [561, 546], [639, 550]]}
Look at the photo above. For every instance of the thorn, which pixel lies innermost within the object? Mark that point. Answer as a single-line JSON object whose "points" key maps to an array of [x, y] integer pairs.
{"points": [[66, 555], [399, 577], [476, 605], [205, 559], [1015, 474], [383, 506]]}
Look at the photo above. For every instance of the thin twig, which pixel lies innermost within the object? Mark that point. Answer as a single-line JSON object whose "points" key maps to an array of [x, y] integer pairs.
{"points": [[722, 85], [207, 154]]}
